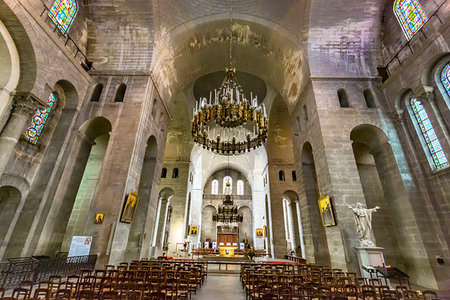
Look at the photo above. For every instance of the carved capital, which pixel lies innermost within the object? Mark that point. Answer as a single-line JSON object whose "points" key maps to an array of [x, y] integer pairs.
{"points": [[26, 104], [398, 118]]}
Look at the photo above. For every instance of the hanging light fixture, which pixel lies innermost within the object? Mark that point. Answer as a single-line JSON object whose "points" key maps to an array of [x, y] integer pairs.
{"points": [[229, 123]]}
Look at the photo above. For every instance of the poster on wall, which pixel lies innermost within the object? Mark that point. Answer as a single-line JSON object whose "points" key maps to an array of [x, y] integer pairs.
{"points": [[206, 244], [80, 246], [214, 245], [326, 211], [242, 246]]}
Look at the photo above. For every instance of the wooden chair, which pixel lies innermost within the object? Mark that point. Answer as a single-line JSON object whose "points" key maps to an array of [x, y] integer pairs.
{"points": [[389, 295], [113, 295], [270, 296], [40, 294], [63, 294], [157, 296], [427, 294], [399, 289], [85, 294], [21, 293], [408, 294], [368, 294]]}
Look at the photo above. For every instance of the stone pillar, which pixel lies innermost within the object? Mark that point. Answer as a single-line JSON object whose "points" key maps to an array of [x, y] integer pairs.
{"points": [[162, 216], [24, 106]]}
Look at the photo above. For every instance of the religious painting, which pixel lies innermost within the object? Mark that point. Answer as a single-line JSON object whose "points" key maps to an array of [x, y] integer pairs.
{"points": [[193, 230], [326, 211], [259, 232], [129, 208], [99, 218]]}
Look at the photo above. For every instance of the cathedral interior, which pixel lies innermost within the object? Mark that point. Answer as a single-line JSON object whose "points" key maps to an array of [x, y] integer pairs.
{"points": [[347, 159]]}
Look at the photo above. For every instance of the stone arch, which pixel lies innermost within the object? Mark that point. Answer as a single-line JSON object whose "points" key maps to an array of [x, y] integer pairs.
{"points": [[246, 226], [293, 226], [208, 228], [10, 72], [147, 183], [120, 92], [161, 229], [375, 158], [316, 245], [9, 222], [10, 198], [97, 92], [269, 42], [25, 50]]}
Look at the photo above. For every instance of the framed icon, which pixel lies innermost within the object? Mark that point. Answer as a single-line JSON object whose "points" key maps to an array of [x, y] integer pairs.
{"points": [[99, 218], [326, 211], [129, 208], [259, 232], [193, 230]]}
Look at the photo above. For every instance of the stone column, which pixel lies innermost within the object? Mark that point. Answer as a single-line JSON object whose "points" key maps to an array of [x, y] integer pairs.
{"points": [[161, 223], [24, 107]]}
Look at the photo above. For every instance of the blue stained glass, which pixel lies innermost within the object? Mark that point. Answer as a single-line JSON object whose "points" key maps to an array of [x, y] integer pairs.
{"points": [[445, 78], [432, 142], [37, 123], [410, 16], [63, 13]]}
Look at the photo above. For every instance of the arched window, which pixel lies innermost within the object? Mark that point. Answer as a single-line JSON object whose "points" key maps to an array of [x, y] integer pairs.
{"points": [[410, 15], [63, 13], [154, 108], [175, 173], [343, 100], [429, 135], [163, 173], [227, 185], [294, 176], [215, 187], [445, 79], [368, 96], [281, 176], [97, 93], [120, 93], [37, 123], [240, 187]]}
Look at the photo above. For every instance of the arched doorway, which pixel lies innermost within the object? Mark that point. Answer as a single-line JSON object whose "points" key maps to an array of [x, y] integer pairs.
{"points": [[9, 202]]}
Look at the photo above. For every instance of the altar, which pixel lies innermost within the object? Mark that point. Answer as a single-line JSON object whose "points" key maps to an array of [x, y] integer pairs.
{"points": [[227, 251]]}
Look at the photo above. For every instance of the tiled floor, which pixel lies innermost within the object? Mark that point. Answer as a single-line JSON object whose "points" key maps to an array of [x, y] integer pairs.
{"points": [[221, 287]]}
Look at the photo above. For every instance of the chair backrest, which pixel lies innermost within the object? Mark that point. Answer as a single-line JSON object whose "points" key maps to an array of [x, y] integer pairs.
{"points": [[63, 294], [85, 294], [41, 294], [21, 293], [158, 296], [110, 295]]}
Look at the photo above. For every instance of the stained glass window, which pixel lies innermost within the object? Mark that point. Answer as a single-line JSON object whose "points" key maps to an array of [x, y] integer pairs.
{"points": [[63, 13], [37, 123], [240, 187], [227, 185], [432, 142], [410, 16], [215, 187], [445, 78]]}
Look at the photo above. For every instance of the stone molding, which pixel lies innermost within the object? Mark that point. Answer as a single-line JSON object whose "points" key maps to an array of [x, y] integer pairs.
{"points": [[26, 104]]}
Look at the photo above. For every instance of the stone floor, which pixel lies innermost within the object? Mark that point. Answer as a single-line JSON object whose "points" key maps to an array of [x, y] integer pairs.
{"points": [[221, 287]]}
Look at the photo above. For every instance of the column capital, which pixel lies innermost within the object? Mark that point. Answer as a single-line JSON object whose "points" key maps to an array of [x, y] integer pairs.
{"points": [[398, 118], [27, 103], [424, 93]]}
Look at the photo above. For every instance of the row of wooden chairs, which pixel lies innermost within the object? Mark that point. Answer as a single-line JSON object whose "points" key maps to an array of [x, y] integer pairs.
{"points": [[147, 280], [310, 282]]}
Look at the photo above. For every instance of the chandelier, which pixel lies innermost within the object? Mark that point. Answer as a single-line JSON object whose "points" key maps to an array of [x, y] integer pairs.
{"points": [[227, 212], [229, 123]]}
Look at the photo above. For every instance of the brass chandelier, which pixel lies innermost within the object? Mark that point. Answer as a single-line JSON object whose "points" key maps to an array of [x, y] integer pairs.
{"points": [[239, 124], [229, 123]]}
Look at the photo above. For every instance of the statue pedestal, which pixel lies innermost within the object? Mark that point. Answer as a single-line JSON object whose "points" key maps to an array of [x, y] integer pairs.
{"points": [[369, 256]]}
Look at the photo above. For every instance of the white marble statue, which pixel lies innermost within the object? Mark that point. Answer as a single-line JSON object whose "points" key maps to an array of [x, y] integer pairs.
{"points": [[363, 221]]}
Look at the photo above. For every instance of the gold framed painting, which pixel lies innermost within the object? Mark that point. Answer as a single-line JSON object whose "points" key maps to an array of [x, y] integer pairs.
{"points": [[99, 218], [129, 208], [193, 230], [326, 211], [259, 232]]}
